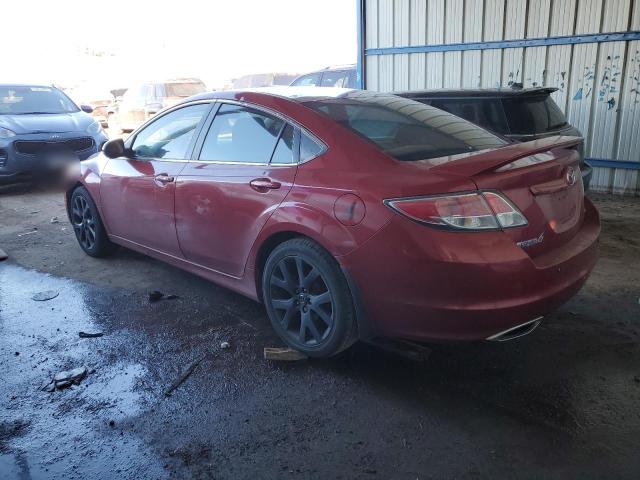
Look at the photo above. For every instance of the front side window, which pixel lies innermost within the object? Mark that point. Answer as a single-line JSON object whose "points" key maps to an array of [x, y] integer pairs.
{"points": [[169, 136], [241, 134], [405, 129], [311, 80], [24, 100]]}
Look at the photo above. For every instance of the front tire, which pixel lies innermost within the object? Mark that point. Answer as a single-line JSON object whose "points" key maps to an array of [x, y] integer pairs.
{"points": [[308, 299], [88, 226]]}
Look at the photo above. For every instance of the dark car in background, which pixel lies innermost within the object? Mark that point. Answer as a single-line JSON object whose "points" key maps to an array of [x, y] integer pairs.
{"points": [[519, 114], [338, 76], [38, 123], [142, 101]]}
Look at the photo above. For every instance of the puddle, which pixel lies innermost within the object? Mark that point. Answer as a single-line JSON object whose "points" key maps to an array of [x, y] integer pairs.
{"points": [[68, 433]]}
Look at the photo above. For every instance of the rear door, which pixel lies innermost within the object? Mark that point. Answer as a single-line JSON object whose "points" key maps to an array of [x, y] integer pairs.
{"points": [[244, 166]]}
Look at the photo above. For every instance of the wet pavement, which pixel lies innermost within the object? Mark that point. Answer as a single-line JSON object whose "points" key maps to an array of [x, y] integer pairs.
{"points": [[560, 403]]}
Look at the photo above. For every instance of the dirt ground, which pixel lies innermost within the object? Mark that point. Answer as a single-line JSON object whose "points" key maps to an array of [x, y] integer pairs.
{"points": [[559, 403]]}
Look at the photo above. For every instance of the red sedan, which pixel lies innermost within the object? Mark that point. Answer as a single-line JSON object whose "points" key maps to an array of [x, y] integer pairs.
{"points": [[349, 214]]}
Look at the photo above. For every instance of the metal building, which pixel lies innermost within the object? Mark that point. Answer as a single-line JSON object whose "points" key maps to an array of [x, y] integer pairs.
{"points": [[588, 49]]}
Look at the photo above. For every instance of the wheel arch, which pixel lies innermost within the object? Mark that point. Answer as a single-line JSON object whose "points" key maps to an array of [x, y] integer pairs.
{"points": [[271, 242]]}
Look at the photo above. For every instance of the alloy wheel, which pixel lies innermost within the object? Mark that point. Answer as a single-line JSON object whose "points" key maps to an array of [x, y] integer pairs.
{"points": [[302, 301], [83, 222]]}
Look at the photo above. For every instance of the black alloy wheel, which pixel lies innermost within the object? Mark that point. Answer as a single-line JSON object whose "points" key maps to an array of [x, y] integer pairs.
{"points": [[308, 299], [84, 222], [87, 224], [302, 300]]}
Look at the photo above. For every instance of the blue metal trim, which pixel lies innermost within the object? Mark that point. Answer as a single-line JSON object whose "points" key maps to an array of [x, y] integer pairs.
{"points": [[623, 164], [499, 44], [361, 43]]}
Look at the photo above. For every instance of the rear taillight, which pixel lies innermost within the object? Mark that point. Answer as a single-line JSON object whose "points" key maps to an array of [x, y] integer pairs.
{"points": [[463, 211]]}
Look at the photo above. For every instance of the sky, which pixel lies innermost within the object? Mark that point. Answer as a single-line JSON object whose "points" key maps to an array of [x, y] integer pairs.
{"points": [[111, 43]]}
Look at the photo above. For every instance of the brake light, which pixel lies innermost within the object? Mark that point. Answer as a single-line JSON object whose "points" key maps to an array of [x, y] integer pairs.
{"points": [[505, 212], [464, 211]]}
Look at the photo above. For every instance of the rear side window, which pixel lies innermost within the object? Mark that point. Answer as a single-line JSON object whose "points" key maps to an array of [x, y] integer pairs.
{"points": [[283, 154], [309, 148], [337, 78], [486, 112], [405, 129], [530, 115], [241, 134], [311, 80]]}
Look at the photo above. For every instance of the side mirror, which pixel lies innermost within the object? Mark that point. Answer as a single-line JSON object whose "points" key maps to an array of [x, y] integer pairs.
{"points": [[114, 148], [86, 108]]}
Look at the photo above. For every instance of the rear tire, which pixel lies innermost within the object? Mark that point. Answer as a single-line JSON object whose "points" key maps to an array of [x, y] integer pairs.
{"points": [[308, 299], [88, 226]]}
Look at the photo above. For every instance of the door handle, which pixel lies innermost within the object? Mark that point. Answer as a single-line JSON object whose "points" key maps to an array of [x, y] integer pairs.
{"points": [[263, 185], [162, 179]]}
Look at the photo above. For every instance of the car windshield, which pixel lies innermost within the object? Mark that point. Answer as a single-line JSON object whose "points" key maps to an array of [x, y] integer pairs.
{"points": [[184, 89], [531, 115], [23, 100], [405, 129]]}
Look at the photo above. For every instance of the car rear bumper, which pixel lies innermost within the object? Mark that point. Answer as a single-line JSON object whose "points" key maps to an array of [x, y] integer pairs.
{"points": [[440, 285]]}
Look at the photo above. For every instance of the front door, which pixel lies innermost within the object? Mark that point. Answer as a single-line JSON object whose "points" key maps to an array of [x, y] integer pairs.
{"points": [[138, 191], [224, 197]]}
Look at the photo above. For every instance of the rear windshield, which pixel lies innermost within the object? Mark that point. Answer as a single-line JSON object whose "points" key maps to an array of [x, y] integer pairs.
{"points": [[184, 89], [405, 129], [529, 115], [21, 100]]}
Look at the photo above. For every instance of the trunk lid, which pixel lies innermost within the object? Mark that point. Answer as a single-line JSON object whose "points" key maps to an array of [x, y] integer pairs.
{"points": [[542, 179]]}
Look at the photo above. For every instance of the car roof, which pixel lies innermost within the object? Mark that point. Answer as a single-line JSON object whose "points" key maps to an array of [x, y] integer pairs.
{"points": [[297, 94], [478, 92]]}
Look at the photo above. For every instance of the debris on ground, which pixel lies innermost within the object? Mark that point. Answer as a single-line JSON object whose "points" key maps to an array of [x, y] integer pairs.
{"points": [[3, 255], [283, 354], [54, 220], [35, 230], [225, 345], [90, 335], [188, 371], [45, 295], [66, 379], [156, 295]]}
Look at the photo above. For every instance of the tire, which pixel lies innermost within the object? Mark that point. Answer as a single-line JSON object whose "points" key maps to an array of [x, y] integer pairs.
{"points": [[311, 311], [87, 225]]}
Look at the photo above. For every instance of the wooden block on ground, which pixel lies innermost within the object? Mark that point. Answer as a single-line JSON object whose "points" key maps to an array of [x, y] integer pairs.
{"points": [[283, 354]]}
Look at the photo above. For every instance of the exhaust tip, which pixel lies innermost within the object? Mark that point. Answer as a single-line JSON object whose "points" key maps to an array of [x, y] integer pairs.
{"points": [[516, 332]]}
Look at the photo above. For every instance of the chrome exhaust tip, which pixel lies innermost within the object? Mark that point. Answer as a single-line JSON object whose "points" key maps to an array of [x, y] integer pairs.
{"points": [[516, 332]]}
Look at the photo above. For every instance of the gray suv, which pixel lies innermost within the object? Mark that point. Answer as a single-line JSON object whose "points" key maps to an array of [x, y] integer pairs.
{"points": [[341, 76], [141, 102]]}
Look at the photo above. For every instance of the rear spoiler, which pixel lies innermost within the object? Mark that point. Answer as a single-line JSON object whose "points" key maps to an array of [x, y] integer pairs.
{"points": [[469, 164]]}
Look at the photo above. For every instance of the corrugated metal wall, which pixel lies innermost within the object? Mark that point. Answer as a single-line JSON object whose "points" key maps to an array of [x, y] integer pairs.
{"points": [[599, 83]]}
